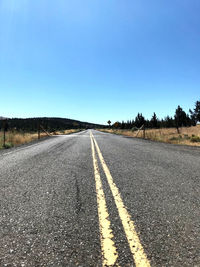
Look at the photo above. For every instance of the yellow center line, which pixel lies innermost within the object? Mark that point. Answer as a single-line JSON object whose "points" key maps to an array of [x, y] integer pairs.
{"points": [[109, 252], [136, 248]]}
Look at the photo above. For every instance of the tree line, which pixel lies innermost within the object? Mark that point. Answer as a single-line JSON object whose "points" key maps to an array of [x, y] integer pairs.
{"points": [[49, 124], [180, 119]]}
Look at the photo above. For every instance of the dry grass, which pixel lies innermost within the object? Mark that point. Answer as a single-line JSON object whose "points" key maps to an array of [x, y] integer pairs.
{"points": [[19, 138], [188, 135], [67, 131]]}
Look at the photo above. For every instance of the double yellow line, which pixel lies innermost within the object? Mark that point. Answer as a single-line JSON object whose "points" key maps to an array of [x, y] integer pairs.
{"points": [[109, 250]]}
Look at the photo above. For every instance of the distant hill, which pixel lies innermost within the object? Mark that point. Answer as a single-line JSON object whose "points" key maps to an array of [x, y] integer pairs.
{"points": [[50, 124], [3, 118]]}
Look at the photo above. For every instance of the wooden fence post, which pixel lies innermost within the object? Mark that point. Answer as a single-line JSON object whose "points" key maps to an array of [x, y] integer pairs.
{"points": [[4, 133], [38, 129], [144, 132]]}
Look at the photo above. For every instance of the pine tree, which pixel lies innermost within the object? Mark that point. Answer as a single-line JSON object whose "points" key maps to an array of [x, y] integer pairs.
{"points": [[195, 115], [154, 121], [180, 118], [139, 120], [123, 125]]}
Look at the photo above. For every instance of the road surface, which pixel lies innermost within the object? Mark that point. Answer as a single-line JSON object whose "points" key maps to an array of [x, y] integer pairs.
{"points": [[97, 199]]}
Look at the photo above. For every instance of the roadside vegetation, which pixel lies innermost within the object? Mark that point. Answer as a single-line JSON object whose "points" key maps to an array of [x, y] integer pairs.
{"points": [[21, 131], [63, 132], [15, 138], [182, 129], [186, 136], [49, 124]]}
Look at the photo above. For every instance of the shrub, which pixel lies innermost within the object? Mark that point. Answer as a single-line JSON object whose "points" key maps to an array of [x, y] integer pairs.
{"points": [[8, 145], [174, 138], [134, 129], [195, 139], [186, 137]]}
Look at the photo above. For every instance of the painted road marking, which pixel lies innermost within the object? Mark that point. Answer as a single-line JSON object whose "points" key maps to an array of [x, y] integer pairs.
{"points": [[136, 248], [109, 252]]}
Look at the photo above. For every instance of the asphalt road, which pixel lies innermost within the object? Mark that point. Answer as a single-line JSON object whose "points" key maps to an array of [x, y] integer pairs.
{"points": [[99, 199]]}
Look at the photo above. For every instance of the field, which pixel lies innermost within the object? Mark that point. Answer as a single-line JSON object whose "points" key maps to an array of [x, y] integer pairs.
{"points": [[187, 136], [14, 138]]}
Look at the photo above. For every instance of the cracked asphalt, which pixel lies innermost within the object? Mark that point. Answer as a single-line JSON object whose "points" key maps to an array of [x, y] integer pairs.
{"points": [[48, 203]]}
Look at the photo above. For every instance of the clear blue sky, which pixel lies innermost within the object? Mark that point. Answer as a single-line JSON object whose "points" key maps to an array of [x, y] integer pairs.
{"points": [[95, 60]]}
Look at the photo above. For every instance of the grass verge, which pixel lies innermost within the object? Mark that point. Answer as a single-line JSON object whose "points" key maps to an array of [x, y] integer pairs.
{"points": [[14, 138], [188, 135], [63, 132]]}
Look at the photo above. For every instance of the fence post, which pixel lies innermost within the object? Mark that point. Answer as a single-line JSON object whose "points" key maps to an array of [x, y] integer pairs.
{"points": [[4, 133], [144, 132], [38, 129]]}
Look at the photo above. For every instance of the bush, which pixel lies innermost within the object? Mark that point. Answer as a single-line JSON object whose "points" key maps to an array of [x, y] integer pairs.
{"points": [[195, 139], [174, 138], [134, 129], [186, 137], [8, 145]]}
